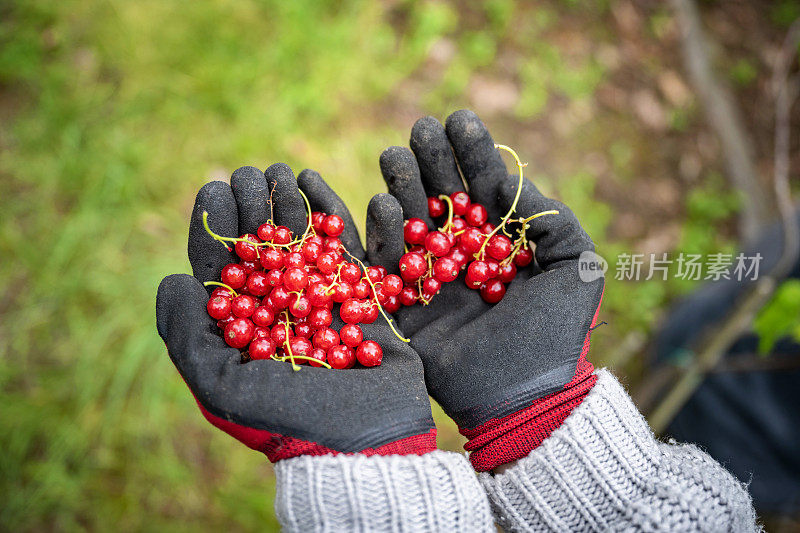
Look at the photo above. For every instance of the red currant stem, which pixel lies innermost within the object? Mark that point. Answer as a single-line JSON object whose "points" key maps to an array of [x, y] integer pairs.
{"points": [[304, 358], [308, 210], [537, 215], [449, 212], [216, 237], [425, 301], [271, 212], [522, 241], [336, 279], [513, 207], [207, 283], [288, 343], [375, 297]]}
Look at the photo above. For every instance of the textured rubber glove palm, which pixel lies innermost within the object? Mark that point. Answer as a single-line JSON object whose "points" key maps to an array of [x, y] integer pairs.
{"points": [[509, 373], [265, 404]]}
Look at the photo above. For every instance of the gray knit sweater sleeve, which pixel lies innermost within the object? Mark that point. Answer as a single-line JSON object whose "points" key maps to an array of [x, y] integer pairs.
{"points": [[438, 491], [603, 470]]}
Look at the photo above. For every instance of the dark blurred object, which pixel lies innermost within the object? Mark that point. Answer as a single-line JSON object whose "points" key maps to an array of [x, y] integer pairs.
{"points": [[745, 414]]}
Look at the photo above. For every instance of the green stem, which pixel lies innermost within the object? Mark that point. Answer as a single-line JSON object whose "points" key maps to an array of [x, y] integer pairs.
{"points": [[207, 283], [450, 211]]}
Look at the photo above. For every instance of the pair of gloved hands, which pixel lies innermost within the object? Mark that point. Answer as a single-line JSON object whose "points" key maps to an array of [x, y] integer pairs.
{"points": [[507, 373]]}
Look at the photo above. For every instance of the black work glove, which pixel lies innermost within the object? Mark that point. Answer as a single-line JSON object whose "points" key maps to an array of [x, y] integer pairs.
{"points": [[509, 373], [264, 403]]}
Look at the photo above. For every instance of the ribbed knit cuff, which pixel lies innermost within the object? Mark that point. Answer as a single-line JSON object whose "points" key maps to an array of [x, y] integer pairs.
{"points": [[604, 470], [503, 440], [437, 491]]}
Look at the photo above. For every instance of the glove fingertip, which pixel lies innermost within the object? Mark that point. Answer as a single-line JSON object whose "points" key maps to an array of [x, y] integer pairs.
{"points": [[171, 289], [288, 206], [385, 231]]}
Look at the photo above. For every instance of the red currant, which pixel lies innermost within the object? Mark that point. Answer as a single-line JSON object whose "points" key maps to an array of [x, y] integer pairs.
{"points": [[493, 291], [223, 292], [437, 243], [279, 334], [436, 207], [245, 249], [507, 272], [272, 259], [295, 279], [471, 240], [250, 266], [266, 232], [294, 260], [392, 285], [258, 284], [351, 311], [350, 273], [275, 277], [459, 224], [261, 349], [319, 355], [392, 304], [261, 332], [374, 273], [234, 276], [477, 273], [431, 286], [243, 305], [283, 235], [303, 330], [361, 289], [499, 246], [280, 297], [318, 294], [332, 244], [263, 316], [351, 335], [300, 306], [316, 221], [414, 231], [342, 291], [409, 296], [370, 314], [219, 307], [369, 353], [412, 266], [523, 257], [333, 225], [311, 251], [239, 332], [326, 263], [476, 215], [340, 357], [325, 338], [461, 202], [445, 269], [320, 317], [300, 347]]}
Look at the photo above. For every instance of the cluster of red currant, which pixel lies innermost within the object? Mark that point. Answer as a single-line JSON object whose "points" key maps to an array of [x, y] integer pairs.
{"points": [[466, 241], [277, 302], [287, 287]]}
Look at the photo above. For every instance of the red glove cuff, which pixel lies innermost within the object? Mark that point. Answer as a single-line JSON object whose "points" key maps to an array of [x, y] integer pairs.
{"points": [[277, 447], [503, 440], [500, 441]]}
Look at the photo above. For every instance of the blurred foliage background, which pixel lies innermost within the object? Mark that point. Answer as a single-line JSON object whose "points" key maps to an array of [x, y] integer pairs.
{"points": [[114, 113]]}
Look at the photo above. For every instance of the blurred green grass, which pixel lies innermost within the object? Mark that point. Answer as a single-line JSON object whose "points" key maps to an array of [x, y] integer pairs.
{"points": [[119, 112], [113, 115]]}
